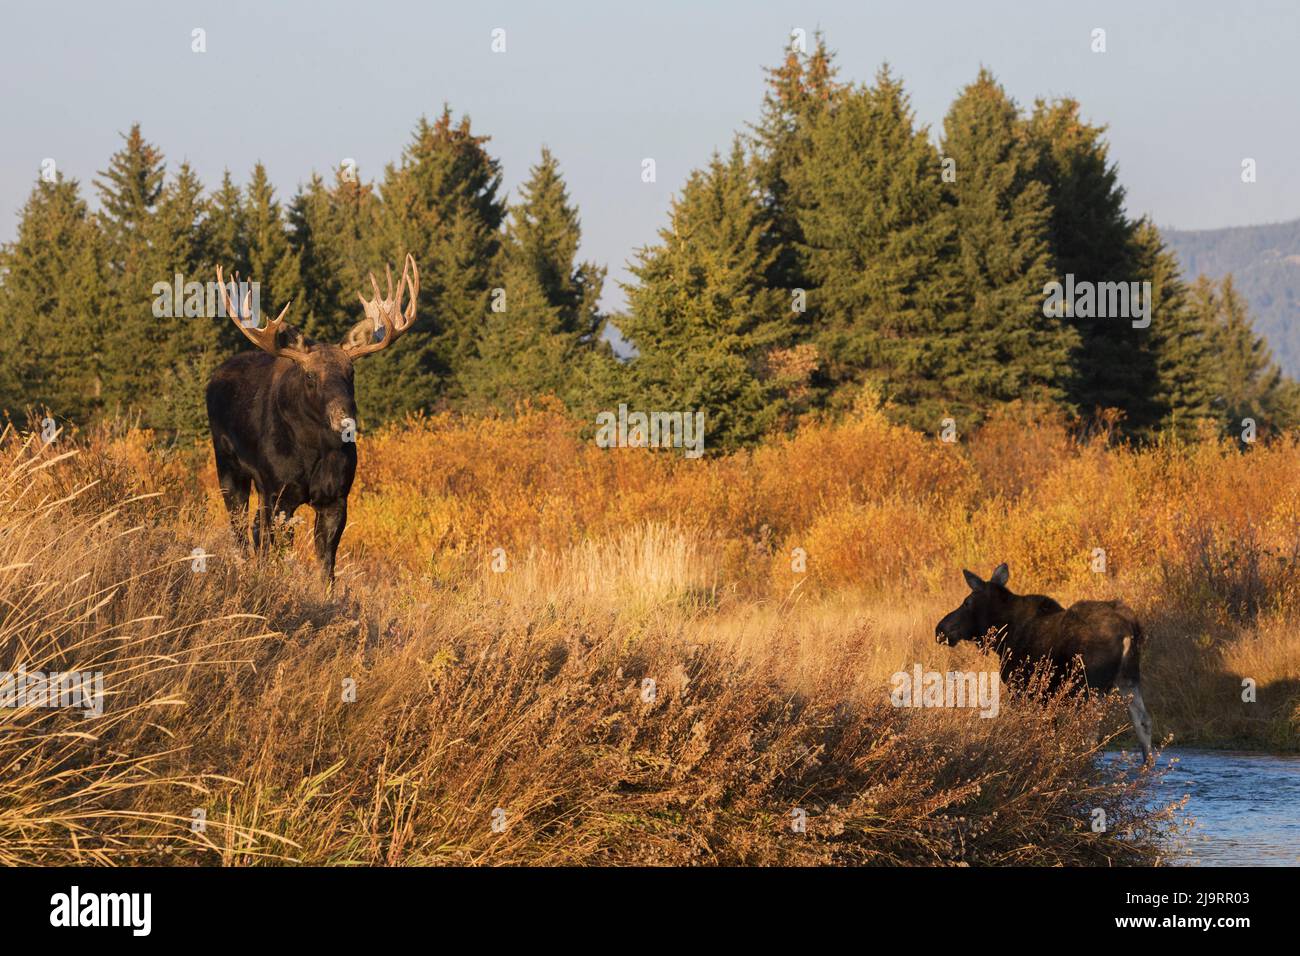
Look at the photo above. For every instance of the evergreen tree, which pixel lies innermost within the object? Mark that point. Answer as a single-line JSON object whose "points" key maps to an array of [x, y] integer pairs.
{"points": [[178, 244], [272, 260], [441, 205], [185, 346], [1250, 385], [1010, 350], [798, 91], [53, 307], [546, 333], [227, 231], [881, 247], [702, 316], [523, 349], [542, 232], [543, 235], [333, 230], [129, 192], [1093, 240], [1181, 341], [227, 246]]}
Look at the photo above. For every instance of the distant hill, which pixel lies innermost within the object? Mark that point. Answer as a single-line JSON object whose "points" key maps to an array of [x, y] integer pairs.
{"points": [[1265, 263]]}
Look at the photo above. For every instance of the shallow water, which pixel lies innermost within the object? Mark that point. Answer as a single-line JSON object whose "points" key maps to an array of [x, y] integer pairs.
{"points": [[1246, 805]]}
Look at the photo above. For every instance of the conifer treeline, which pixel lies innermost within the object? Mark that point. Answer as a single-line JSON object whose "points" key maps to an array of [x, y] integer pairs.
{"points": [[77, 294], [834, 247]]}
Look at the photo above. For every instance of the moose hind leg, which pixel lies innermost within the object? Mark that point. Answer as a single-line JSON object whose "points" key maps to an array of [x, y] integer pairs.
{"points": [[263, 522], [272, 525], [235, 489], [1137, 712]]}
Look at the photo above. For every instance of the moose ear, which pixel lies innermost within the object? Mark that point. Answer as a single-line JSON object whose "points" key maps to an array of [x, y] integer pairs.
{"points": [[363, 333], [1000, 574], [291, 338], [973, 580]]}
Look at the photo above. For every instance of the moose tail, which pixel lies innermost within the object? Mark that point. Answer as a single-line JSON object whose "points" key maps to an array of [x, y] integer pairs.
{"points": [[1130, 662]]}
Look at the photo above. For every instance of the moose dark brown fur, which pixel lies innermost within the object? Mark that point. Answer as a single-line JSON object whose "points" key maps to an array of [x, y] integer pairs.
{"points": [[1102, 636], [283, 418]]}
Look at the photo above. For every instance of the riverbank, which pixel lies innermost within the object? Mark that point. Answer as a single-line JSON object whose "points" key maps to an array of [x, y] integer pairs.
{"points": [[580, 711]]}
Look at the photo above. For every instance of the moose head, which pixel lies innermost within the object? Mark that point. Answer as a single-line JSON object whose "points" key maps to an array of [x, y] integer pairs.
{"points": [[984, 608], [324, 370]]}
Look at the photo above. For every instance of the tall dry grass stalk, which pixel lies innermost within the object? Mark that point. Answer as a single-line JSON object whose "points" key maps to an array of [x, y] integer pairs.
{"points": [[88, 587]]}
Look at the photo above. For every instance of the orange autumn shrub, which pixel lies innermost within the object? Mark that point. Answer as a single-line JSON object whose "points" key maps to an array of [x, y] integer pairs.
{"points": [[442, 492]]}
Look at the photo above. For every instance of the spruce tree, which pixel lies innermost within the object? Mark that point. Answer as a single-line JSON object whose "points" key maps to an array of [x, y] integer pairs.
{"points": [[1250, 384], [272, 261], [523, 349], [702, 316], [798, 91], [333, 230], [178, 244], [881, 247], [541, 334], [1181, 341], [1010, 349], [54, 308], [1093, 240], [227, 231], [185, 346], [227, 246], [129, 192], [542, 232], [440, 204]]}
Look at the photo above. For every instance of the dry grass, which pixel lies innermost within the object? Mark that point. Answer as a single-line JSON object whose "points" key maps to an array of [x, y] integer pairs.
{"points": [[524, 690], [1202, 539]]}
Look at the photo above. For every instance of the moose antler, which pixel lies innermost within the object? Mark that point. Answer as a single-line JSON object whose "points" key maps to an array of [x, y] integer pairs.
{"points": [[264, 338], [387, 310]]}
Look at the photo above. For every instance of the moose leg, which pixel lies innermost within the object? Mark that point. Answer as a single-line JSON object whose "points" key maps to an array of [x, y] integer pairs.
{"points": [[282, 512], [271, 527], [1137, 712], [330, 521], [263, 522], [235, 488]]}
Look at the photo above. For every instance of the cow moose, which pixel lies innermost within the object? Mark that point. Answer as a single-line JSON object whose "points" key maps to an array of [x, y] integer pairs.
{"points": [[1104, 636], [283, 418]]}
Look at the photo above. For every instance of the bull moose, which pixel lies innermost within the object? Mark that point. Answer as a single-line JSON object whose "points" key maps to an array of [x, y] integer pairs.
{"points": [[283, 418], [1104, 636]]}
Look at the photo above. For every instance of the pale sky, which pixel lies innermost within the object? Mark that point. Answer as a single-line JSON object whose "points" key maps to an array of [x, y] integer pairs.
{"points": [[1188, 89]]}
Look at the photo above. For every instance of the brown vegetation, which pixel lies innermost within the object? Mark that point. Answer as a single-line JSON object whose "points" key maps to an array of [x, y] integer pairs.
{"points": [[526, 689]]}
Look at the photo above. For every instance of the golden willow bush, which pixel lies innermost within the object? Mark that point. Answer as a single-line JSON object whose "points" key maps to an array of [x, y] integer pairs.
{"points": [[874, 505], [524, 689]]}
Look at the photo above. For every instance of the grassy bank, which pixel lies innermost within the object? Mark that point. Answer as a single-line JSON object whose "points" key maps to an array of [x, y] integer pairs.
{"points": [[648, 677]]}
